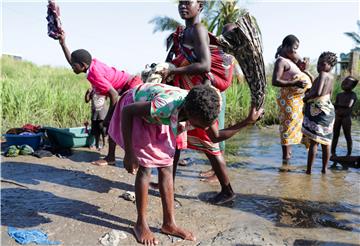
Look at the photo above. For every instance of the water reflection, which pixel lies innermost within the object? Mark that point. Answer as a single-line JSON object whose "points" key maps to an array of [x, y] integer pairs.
{"points": [[291, 198]]}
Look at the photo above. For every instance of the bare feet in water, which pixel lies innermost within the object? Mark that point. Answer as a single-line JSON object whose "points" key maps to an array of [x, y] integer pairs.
{"points": [[144, 235], [178, 232], [210, 179]]}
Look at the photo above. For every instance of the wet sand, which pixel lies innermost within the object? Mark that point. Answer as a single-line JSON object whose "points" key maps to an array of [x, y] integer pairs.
{"points": [[76, 203]]}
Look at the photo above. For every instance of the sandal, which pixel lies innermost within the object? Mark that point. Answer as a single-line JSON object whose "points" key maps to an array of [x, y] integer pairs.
{"points": [[103, 163]]}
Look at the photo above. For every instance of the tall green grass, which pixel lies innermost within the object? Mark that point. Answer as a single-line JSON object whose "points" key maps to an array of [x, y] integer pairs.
{"points": [[55, 97], [41, 95], [238, 102]]}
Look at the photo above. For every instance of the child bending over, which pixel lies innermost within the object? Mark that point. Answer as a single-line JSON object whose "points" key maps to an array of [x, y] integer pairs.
{"points": [[319, 111], [158, 114], [98, 113], [105, 80], [344, 104]]}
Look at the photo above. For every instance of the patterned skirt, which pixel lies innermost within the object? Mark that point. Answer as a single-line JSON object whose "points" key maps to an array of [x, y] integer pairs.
{"points": [[319, 120], [291, 117]]}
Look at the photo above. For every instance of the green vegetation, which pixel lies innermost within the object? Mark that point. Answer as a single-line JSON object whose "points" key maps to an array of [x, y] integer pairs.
{"points": [[55, 97], [238, 102], [41, 95]]}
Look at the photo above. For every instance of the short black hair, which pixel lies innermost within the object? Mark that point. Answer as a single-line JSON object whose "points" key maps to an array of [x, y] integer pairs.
{"points": [[203, 103], [328, 57], [288, 41], [353, 80], [81, 56]]}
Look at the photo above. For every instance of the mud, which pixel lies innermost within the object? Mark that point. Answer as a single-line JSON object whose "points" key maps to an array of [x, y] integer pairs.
{"points": [[77, 203]]}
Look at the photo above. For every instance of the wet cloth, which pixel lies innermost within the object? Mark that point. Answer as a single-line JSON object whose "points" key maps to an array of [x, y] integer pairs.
{"points": [[319, 120], [222, 64], [291, 105], [53, 18], [157, 132], [23, 236], [102, 77]]}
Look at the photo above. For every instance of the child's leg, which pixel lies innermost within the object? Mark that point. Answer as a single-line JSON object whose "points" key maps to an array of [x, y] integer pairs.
{"points": [[141, 229], [175, 163], [336, 133], [346, 124], [311, 155], [219, 166], [102, 132], [325, 157], [110, 157], [166, 187], [96, 132], [286, 149]]}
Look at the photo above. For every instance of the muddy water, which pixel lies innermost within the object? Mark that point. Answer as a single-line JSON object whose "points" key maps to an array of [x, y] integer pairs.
{"points": [[76, 203], [286, 196]]}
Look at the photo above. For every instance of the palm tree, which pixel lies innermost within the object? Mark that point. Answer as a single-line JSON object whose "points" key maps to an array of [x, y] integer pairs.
{"points": [[355, 36], [215, 15]]}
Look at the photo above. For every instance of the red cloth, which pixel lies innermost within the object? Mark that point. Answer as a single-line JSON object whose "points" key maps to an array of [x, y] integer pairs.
{"points": [[222, 64], [220, 75], [31, 128]]}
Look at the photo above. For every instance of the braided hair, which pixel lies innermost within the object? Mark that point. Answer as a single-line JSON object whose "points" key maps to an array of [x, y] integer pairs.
{"points": [[203, 103], [328, 57]]}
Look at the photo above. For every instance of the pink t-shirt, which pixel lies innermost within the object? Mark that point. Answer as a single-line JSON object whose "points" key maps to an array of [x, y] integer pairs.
{"points": [[102, 77]]}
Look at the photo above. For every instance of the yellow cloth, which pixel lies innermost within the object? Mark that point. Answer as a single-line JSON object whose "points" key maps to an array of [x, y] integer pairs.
{"points": [[291, 111]]}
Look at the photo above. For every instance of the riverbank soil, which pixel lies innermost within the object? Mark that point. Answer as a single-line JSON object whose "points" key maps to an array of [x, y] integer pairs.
{"points": [[77, 203]]}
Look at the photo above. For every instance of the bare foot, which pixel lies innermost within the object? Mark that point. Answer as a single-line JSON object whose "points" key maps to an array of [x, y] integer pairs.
{"points": [[103, 163], [207, 173], [323, 171], [210, 179], [222, 197], [308, 172], [178, 232], [144, 235]]}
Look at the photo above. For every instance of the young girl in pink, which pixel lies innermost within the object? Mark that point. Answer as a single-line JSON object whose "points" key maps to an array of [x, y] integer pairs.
{"points": [[105, 80], [145, 124]]}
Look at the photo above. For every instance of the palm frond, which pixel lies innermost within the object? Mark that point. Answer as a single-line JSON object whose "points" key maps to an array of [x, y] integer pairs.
{"points": [[354, 36], [164, 23]]}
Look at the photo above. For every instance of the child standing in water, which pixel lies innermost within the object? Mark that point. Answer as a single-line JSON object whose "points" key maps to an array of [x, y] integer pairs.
{"points": [[344, 104], [319, 111], [98, 113], [105, 80], [156, 114]]}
